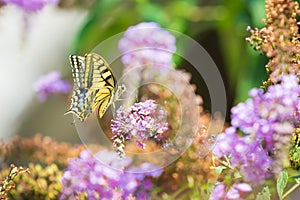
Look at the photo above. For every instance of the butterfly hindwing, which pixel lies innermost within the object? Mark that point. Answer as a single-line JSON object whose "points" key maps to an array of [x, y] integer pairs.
{"points": [[81, 101], [103, 106], [103, 99]]}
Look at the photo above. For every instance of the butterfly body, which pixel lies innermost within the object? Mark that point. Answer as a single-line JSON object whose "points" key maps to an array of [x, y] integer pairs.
{"points": [[95, 86]]}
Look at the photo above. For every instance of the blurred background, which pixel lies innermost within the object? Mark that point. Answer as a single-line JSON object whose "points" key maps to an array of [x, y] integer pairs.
{"points": [[35, 43]]}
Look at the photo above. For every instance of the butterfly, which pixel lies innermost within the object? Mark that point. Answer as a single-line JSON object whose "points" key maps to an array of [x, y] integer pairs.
{"points": [[95, 86]]}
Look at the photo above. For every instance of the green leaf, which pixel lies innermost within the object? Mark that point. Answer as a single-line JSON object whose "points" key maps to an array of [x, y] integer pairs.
{"points": [[295, 177], [264, 194], [219, 169], [237, 175], [281, 182]]}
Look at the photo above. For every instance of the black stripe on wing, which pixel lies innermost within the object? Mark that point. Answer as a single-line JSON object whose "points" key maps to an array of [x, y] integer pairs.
{"points": [[93, 63], [107, 76]]}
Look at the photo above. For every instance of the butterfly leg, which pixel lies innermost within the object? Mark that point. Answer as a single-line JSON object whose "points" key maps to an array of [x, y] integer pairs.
{"points": [[113, 109], [136, 97]]}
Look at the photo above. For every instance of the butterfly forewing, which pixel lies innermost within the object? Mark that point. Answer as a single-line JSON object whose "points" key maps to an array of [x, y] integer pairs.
{"points": [[107, 75], [78, 68], [99, 74]]}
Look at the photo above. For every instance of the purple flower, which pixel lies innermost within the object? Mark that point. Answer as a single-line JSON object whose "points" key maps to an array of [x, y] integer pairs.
{"points": [[237, 191], [140, 122], [218, 192], [267, 121], [49, 84], [224, 142], [87, 175], [246, 154], [273, 112], [30, 5], [147, 43], [145, 169], [256, 166]]}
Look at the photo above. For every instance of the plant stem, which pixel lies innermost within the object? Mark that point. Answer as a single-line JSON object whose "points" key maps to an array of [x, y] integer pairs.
{"points": [[226, 164], [290, 190]]}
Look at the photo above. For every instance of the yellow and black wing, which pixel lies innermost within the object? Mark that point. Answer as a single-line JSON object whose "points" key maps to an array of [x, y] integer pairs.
{"points": [[104, 80], [99, 73], [94, 85], [103, 99]]}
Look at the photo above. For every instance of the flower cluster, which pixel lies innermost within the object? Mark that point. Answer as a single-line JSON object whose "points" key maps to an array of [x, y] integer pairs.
{"points": [[267, 121], [89, 177], [147, 43], [279, 40], [141, 121], [30, 5], [273, 112], [247, 155], [51, 83], [237, 191]]}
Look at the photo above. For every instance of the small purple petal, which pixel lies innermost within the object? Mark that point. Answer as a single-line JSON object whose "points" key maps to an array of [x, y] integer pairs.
{"points": [[88, 175], [30, 5], [142, 121], [50, 84], [147, 43], [218, 192]]}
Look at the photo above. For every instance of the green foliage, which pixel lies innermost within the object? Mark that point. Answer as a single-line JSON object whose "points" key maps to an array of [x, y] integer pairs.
{"points": [[220, 169], [295, 149], [264, 194], [107, 18], [242, 65], [281, 183]]}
